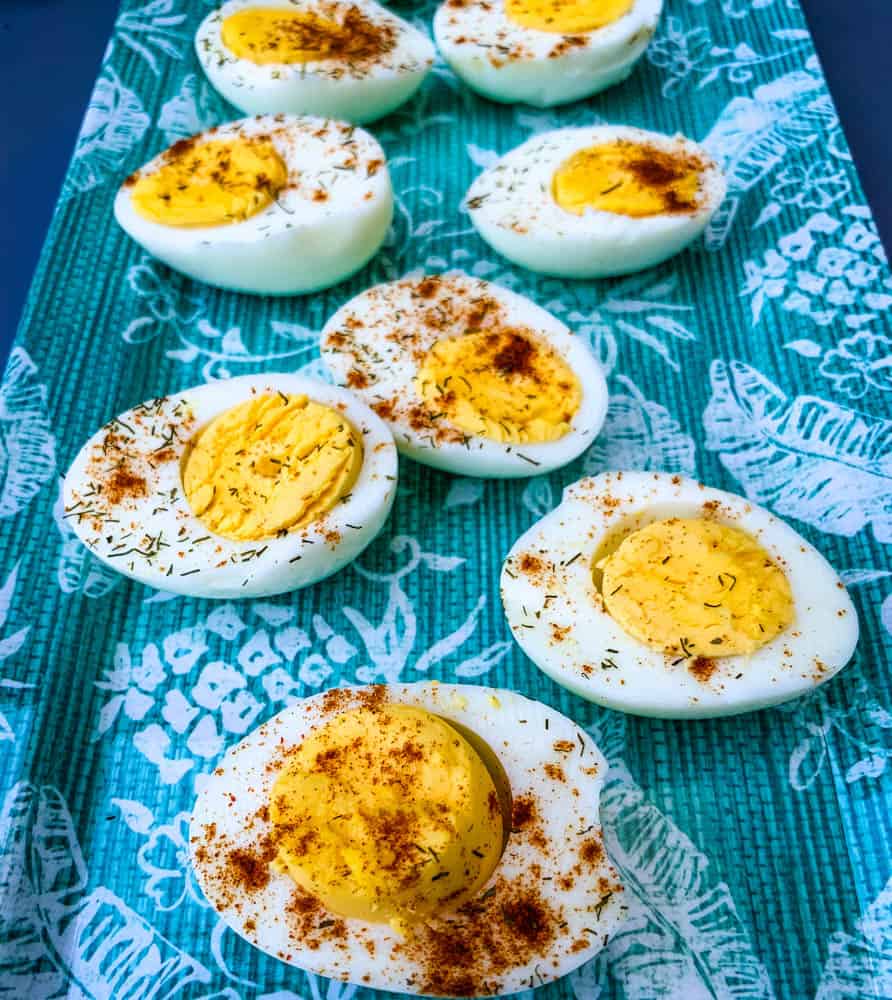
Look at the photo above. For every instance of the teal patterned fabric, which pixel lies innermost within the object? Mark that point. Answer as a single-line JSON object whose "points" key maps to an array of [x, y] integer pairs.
{"points": [[757, 850]]}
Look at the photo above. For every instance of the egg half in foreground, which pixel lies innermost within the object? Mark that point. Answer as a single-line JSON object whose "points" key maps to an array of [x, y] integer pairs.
{"points": [[655, 595], [471, 377], [595, 202], [276, 205], [428, 839], [544, 52], [351, 60], [245, 488]]}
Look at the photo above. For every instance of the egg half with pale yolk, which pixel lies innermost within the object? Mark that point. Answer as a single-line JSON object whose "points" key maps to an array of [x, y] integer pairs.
{"points": [[471, 377], [431, 839], [277, 205], [655, 595], [595, 202], [544, 52], [243, 488], [347, 59]]}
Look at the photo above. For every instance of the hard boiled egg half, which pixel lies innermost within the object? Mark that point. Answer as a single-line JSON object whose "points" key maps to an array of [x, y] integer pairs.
{"points": [[349, 59], [594, 202], [427, 839], [471, 377], [245, 488], [544, 52], [655, 595], [276, 205]]}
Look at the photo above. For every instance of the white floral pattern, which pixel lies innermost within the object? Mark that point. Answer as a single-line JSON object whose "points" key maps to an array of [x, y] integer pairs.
{"points": [[806, 457], [832, 268], [169, 307], [758, 360], [185, 698]]}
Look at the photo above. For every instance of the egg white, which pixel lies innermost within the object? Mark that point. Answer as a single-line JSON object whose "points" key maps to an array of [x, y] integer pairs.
{"points": [[523, 734], [357, 91], [189, 562], [508, 62], [300, 242], [390, 366], [558, 618], [513, 209]]}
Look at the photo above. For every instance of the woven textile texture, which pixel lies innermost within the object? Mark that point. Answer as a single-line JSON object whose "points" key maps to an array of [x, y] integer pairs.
{"points": [[757, 850]]}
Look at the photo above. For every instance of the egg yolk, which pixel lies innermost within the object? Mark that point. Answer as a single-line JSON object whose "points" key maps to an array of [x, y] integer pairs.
{"points": [[210, 183], [270, 465], [387, 815], [628, 178], [694, 587], [269, 35], [566, 17], [505, 385]]}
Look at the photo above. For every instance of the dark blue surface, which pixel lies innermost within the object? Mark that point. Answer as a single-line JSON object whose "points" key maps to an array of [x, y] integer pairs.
{"points": [[50, 52]]}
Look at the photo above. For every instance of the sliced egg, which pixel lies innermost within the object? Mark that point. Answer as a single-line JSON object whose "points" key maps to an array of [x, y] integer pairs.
{"points": [[656, 595], [595, 202], [544, 52], [275, 205], [245, 488], [471, 377], [429, 839], [351, 60]]}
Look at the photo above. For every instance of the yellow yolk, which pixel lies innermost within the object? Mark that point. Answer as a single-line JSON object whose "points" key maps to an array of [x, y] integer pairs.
{"points": [[566, 17], [628, 178], [387, 815], [210, 183], [503, 385], [270, 35], [270, 465], [695, 587]]}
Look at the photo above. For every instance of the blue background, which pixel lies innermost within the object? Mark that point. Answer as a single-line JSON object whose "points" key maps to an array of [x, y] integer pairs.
{"points": [[752, 846], [50, 52]]}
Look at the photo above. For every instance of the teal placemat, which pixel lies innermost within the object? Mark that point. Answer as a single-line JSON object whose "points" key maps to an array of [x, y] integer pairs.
{"points": [[758, 850]]}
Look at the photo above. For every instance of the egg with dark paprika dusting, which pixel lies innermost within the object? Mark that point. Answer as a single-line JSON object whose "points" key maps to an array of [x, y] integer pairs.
{"points": [[430, 839]]}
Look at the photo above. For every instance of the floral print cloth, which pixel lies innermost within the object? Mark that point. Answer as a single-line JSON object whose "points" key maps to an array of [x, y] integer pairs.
{"points": [[757, 850]]}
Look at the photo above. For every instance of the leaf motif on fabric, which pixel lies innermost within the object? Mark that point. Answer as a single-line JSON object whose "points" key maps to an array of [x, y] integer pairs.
{"points": [[538, 496], [463, 493], [482, 158], [153, 31], [448, 644], [484, 661], [170, 304], [753, 135], [805, 347], [639, 434], [859, 965], [57, 935], [805, 457], [28, 452], [193, 109], [807, 760], [138, 817], [684, 937], [114, 124], [387, 645], [857, 577], [9, 646]]}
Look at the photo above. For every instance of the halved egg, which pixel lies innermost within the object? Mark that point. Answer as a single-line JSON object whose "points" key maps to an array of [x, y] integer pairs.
{"points": [[595, 202], [352, 60], [245, 488], [471, 377], [544, 52], [275, 205], [430, 839], [656, 595]]}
